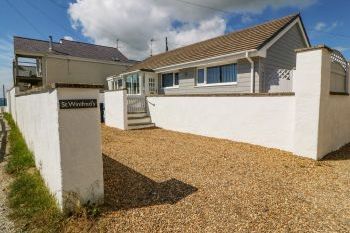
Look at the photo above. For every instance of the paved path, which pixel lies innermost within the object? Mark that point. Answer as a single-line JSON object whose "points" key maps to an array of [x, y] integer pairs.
{"points": [[6, 225]]}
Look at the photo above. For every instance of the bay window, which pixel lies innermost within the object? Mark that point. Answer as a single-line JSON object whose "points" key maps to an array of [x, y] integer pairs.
{"points": [[170, 80], [217, 75]]}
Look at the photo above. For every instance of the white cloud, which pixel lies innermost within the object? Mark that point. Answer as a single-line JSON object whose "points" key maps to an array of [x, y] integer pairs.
{"points": [[135, 22], [68, 38], [322, 26]]}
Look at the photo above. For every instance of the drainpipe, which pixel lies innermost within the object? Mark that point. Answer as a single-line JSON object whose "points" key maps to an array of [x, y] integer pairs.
{"points": [[252, 72]]}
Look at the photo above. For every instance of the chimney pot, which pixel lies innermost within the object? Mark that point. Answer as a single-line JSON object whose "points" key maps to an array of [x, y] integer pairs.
{"points": [[50, 43]]}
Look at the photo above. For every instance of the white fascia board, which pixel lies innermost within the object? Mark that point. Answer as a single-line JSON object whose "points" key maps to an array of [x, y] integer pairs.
{"points": [[20, 53], [283, 32], [203, 62], [122, 74], [65, 57]]}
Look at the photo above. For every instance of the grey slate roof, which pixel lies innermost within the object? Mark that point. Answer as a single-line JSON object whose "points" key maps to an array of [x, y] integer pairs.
{"points": [[246, 39], [70, 48]]}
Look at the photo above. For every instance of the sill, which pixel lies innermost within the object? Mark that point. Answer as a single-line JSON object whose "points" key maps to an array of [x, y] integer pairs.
{"points": [[216, 84], [338, 93], [173, 87]]}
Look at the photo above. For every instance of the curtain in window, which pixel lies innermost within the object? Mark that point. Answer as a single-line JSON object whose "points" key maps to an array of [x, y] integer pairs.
{"points": [[213, 75], [167, 80], [228, 73], [200, 76]]}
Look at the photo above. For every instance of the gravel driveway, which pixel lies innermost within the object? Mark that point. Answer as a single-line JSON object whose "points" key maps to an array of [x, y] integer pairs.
{"points": [[163, 181]]}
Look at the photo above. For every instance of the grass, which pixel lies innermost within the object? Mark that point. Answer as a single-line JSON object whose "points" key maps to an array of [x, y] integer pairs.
{"points": [[21, 158], [33, 207]]}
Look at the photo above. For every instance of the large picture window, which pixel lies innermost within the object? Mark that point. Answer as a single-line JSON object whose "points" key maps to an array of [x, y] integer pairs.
{"points": [[217, 75], [170, 80]]}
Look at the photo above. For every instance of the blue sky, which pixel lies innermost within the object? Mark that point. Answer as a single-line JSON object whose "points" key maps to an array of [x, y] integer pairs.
{"points": [[103, 22]]}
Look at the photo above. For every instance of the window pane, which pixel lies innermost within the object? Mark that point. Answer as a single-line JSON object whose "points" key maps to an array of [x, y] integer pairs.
{"points": [[132, 84], [120, 83], [167, 80], [213, 74], [200, 76], [228, 73], [176, 79]]}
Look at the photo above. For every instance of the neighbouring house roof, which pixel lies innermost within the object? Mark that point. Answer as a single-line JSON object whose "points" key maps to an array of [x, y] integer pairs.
{"points": [[69, 48], [247, 39]]}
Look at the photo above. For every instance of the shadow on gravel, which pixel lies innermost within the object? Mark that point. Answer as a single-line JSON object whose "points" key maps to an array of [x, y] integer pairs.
{"points": [[126, 189], [342, 154], [3, 140]]}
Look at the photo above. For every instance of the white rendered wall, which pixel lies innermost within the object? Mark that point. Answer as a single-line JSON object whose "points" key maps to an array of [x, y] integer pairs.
{"points": [[11, 102], [334, 127], [80, 146], [37, 118], [322, 122], [307, 85], [66, 144], [266, 121], [116, 109]]}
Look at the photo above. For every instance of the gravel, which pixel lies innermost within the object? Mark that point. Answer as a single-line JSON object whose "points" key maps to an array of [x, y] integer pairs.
{"points": [[6, 225], [163, 181]]}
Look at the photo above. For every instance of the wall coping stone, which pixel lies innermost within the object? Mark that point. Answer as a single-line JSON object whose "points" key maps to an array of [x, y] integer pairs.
{"points": [[231, 95], [53, 86], [322, 46]]}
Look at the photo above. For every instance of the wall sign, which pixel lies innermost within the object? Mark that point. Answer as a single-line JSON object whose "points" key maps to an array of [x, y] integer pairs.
{"points": [[78, 103]]}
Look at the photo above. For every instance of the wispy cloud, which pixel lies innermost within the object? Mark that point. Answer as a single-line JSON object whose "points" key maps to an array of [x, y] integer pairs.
{"points": [[325, 27], [68, 38]]}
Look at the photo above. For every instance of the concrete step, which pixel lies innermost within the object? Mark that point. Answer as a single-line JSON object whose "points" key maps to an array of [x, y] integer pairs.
{"points": [[140, 126], [135, 120], [137, 114]]}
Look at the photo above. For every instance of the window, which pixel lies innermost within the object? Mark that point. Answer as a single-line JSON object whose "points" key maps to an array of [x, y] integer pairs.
{"points": [[132, 84], [120, 83], [200, 76], [170, 80], [167, 80], [217, 74], [176, 82]]}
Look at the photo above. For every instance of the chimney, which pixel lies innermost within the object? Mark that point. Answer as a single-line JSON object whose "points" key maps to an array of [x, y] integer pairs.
{"points": [[50, 43]]}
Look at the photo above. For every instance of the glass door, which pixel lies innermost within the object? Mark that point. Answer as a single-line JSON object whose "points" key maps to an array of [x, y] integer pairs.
{"points": [[133, 84]]}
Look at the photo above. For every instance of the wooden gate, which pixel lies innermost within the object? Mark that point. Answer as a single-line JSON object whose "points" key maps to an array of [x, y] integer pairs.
{"points": [[136, 103]]}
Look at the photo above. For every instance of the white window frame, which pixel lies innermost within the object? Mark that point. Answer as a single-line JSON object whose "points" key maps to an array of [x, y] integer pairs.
{"points": [[115, 85], [206, 84], [173, 86]]}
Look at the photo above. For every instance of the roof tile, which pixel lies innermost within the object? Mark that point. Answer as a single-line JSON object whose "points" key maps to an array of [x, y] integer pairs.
{"points": [[247, 39]]}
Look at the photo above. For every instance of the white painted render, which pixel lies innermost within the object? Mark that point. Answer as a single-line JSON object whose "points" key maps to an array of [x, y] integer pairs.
{"points": [[266, 121], [116, 109], [81, 147], [66, 143], [37, 118]]}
